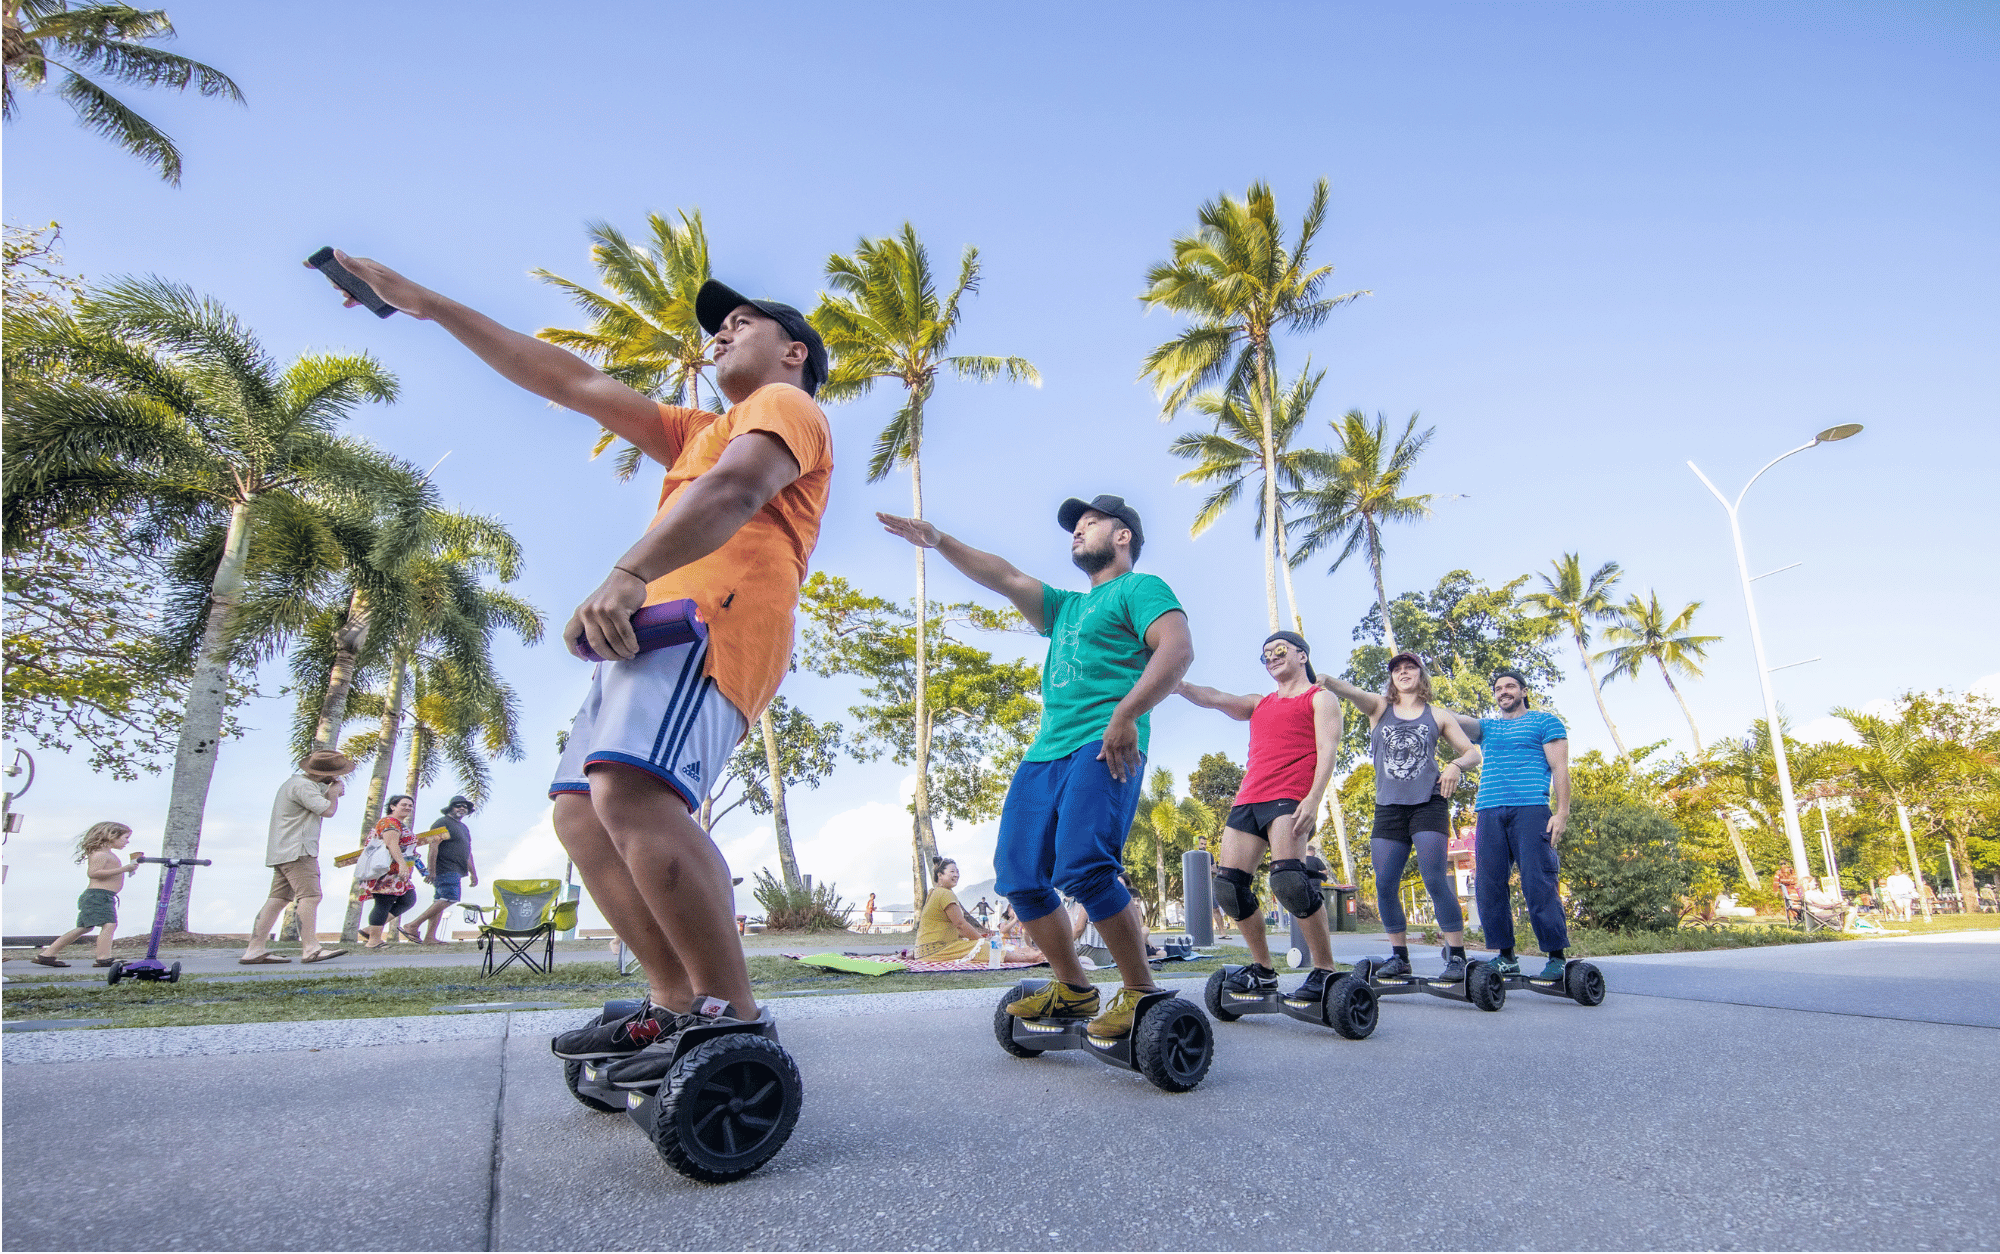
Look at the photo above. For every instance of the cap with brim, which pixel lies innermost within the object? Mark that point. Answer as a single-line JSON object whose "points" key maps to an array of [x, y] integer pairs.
{"points": [[1104, 503], [717, 300], [460, 801], [1405, 656]]}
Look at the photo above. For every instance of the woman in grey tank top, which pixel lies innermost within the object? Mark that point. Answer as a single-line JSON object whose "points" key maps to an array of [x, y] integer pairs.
{"points": [[1412, 803]]}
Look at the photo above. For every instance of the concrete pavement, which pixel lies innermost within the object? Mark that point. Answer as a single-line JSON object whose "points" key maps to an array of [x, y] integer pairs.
{"points": [[1669, 1117]]}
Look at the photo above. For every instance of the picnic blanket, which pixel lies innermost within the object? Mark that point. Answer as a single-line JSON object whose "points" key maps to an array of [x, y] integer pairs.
{"points": [[872, 964]]}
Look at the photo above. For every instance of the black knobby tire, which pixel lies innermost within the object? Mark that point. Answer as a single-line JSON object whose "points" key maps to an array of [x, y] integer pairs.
{"points": [[1484, 988], [115, 974], [727, 1108], [1003, 1026], [1351, 1008], [1211, 996], [1584, 983], [572, 1073], [1362, 969], [1173, 1045]]}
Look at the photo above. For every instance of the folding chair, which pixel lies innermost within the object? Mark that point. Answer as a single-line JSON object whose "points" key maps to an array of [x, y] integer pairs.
{"points": [[524, 911]]}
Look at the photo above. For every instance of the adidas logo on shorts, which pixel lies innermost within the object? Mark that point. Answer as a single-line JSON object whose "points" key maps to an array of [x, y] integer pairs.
{"points": [[692, 770]]}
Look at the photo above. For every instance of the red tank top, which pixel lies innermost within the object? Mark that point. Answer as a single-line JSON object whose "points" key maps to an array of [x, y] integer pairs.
{"points": [[1284, 752]]}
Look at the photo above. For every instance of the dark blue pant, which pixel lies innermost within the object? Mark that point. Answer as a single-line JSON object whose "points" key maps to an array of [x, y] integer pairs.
{"points": [[1511, 836], [1064, 825]]}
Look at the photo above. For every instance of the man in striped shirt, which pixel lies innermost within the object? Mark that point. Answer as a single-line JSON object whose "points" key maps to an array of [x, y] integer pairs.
{"points": [[1525, 752]]}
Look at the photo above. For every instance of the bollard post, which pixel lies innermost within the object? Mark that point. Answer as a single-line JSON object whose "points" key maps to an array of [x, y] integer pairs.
{"points": [[1198, 891]]}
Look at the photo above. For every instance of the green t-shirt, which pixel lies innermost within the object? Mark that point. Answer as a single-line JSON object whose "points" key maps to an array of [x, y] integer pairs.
{"points": [[1097, 651]]}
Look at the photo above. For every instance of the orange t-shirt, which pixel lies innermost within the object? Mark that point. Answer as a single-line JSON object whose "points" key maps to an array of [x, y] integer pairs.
{"points": [[748, 589]]}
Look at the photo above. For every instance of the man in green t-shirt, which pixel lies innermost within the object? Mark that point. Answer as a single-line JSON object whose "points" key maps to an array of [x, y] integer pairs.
{"points": [[1115, 652]]}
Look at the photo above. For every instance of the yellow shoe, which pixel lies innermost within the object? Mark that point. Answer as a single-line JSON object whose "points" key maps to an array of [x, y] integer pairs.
{"points": [[1116, 1021], [1055, 1000]]}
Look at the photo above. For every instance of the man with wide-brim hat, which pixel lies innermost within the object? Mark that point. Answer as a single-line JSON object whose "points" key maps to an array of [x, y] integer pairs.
{"points": [[1115, 651], [291, 850], [739, 515]]}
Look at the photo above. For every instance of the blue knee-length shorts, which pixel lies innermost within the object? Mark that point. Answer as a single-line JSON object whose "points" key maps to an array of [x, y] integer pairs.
{"points": [[1064, 826]]}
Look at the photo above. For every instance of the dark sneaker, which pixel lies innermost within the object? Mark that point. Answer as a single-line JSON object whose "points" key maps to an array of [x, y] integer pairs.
{"points": [[1118, 1017], [1454, 969], [1503, 965], [1251, 981], [1055, 1000], [613, 1039], [649, 1067], [1555, 969], [1313, 990], [1390, 969]]}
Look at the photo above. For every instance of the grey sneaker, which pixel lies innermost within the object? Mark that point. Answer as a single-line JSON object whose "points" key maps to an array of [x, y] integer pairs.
{"points": [[1251, 981], [1394, 968], [1313, 989], [1503, 965], [612, 1039], [1454, 969]]}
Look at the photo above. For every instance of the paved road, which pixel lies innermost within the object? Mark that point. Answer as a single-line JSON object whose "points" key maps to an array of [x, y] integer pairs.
{"points": [[1657, 1120]]}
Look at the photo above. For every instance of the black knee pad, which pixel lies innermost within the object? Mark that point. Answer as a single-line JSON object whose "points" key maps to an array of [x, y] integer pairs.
{"points": [[1296, 888], [1234, 894]]}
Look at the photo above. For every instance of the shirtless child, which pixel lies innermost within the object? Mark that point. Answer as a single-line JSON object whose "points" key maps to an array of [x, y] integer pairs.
{"points": [[98, 906]]}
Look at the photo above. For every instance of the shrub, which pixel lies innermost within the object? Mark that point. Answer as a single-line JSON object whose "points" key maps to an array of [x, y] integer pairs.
{"points": [[815, 909], [1623, 865]]}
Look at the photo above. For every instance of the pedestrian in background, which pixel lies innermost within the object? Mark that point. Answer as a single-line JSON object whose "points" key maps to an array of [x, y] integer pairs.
{"points": [[452, 870], [98, 906], [291, 850], [393, 891]]}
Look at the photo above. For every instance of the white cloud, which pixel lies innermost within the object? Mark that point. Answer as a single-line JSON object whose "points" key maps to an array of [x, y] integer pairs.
{"points": [[1988, 686], [1830, 730]]}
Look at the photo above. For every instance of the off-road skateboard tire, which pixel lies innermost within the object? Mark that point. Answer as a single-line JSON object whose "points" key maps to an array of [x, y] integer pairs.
{"points": [[1003, 1026], [572, 1074], [1483, 986], [1211, 996], [727, 1107], [1173, 1044], [1585, 983], [1351, 1008]]}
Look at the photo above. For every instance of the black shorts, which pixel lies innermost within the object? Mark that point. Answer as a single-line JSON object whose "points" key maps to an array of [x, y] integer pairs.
{"points": [[1257, 817], [1394, 822]]}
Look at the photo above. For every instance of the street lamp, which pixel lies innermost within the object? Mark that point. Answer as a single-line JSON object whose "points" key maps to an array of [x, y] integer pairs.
{"points": [[1792, 832]]}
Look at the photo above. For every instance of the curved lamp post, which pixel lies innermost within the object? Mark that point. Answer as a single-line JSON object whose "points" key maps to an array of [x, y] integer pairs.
{"points": [[1792, 832]]}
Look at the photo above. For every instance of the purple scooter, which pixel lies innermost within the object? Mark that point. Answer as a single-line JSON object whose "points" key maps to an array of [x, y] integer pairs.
{"points": [[150, 967]]}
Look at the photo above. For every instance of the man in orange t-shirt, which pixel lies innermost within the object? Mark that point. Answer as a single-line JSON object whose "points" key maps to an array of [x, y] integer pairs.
{"points": [[739, 515]]}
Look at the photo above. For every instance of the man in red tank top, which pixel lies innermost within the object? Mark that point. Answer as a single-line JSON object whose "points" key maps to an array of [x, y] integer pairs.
{"points": [[1294, 740]]}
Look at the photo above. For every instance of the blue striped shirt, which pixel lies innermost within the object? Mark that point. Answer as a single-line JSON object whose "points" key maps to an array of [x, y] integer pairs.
{"points": [[1514, 769]]}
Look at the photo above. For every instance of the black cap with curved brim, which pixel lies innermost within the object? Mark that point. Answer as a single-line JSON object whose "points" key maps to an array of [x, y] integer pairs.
{"points": [[716, 301], [1407, 656], [1103, 503]]}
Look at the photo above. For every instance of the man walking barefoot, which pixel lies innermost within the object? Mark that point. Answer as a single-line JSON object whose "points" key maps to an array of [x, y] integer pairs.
{"points": [[739, 514], [1115, 652], [1294, 744], [1524, 752]]}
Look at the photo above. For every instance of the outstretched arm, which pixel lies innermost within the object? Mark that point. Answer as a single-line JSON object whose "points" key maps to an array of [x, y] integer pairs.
{"points": [[1173, 652], [1369, 703], [549, 372], [996, 574], [1237, 707]]}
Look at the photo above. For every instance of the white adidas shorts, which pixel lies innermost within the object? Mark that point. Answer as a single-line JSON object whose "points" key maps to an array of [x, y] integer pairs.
{"points": [[658, 713]]}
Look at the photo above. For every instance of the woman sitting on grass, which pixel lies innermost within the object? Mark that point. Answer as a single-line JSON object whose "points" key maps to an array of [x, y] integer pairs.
{"points": [[945, 933]]}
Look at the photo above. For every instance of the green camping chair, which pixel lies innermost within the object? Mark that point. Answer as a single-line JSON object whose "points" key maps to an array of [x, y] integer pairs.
{"points": [[524, 911]]}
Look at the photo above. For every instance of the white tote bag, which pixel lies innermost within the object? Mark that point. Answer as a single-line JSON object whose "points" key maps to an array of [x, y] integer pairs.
{"points": [[375, 861]]}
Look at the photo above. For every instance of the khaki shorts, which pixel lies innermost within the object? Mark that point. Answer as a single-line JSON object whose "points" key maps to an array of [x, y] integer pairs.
{"points": [[295, 879]]}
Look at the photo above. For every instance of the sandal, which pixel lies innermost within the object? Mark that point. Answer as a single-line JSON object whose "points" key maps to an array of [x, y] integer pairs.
{"points": [[383, 945], [323, 955], [43, 960], [261, 960], [411, 935], [102, 962]]}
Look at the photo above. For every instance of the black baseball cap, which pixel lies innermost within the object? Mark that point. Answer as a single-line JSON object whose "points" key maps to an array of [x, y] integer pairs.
{"points": [[1103, 503], [717, 301]]}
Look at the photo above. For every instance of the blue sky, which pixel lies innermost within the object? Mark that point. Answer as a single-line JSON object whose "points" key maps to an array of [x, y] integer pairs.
{"points": [[1601, 240]]}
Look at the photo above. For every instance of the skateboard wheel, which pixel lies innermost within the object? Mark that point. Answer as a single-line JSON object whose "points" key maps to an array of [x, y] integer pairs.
{"points": [[1584, 983], [1211, 996], [572, 1073], [1003, 1026], [115, 974], [1351, 1008], [1484, 988], [1364, 969], [173, 975], [1172, 1045], [727, 1108]]}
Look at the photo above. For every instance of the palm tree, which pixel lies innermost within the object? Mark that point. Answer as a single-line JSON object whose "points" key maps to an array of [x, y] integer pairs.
{"points": [[1579, 602], [1227, 457], [1897, 760], [884, 320], [1356, 486], [645, 334], [113, 40], [1164, 828], [1643, 631], [1239, 284], [158, 407]]}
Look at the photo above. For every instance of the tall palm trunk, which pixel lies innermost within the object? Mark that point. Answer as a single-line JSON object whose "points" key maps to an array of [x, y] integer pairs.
{"points": [[201, 719], [1968, 887], [1285, 568], [1597, 692], [378, 785], [1266, 399], [1381, 596], [348, 641], [420, 743], [923, 838], [1685, 712], [1340, 835], [1916, 868], [788, 864], [1743, 862]]}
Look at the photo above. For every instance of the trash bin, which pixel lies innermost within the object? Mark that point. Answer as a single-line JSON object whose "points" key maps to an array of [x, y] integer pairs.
{"points": [[1344, 917]]}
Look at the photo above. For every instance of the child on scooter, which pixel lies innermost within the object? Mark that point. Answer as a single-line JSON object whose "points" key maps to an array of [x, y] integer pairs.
{"points": [[98, 906]]}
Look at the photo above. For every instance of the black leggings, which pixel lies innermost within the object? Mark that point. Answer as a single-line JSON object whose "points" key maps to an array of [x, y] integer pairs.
{"points": [[1391, 856], [386, 906]]}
